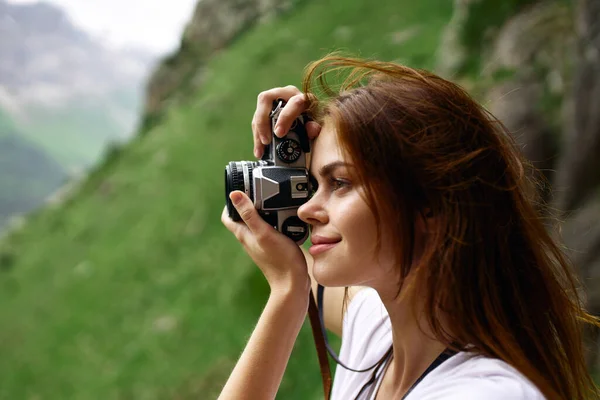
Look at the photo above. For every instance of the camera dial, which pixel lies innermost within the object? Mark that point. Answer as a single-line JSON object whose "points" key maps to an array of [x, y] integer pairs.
{"points": [[289, 151]]}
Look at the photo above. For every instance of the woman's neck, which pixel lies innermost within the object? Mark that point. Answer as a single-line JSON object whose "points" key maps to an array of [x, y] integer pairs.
{"points": [[414, 347]]}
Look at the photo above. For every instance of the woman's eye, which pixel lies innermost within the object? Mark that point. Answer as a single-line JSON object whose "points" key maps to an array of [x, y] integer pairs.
{"points": [[332, 184], [338, 184]]}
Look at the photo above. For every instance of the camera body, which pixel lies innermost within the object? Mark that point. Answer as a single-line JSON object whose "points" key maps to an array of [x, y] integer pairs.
{"points": [[278, 184]]}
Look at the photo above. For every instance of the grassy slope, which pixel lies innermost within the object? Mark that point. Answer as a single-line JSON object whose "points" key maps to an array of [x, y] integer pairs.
{"points": [[134, 290]]}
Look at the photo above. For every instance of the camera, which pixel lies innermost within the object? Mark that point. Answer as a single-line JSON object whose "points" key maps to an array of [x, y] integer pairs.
{"points": [[278, 184]]}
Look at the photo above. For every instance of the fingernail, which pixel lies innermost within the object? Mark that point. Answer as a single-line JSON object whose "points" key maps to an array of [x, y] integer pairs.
{"points": [[256, 153], [278, 131], [236, 198], [264, 140]]}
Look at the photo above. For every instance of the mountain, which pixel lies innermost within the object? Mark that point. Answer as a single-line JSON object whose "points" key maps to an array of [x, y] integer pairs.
{"points": [[64, 98], [64, 90], [27, 173]]}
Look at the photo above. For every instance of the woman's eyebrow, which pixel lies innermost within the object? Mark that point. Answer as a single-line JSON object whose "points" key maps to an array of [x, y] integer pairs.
{"points": [[328, 169]]}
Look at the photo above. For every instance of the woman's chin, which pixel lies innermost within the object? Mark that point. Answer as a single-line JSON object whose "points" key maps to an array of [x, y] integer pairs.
{"points": [[330, 276]]}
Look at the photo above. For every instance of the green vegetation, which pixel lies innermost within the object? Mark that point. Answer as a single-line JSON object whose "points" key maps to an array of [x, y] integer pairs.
{"points": [[133, 289]]}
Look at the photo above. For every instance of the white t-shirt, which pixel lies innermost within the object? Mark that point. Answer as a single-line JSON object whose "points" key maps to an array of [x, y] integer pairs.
{"points": [[367, 336]]}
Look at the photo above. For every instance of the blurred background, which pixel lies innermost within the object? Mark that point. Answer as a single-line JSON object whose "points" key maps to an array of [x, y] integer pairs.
{"points": [[117, 118]]}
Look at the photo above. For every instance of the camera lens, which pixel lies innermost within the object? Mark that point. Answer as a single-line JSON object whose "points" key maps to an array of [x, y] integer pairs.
{"points": [[238, 176]]}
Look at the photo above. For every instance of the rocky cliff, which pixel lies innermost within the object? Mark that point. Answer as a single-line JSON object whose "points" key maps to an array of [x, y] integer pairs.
{"points": [[214, 24]]}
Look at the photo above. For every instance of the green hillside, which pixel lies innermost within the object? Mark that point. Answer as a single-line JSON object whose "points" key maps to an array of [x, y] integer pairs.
{"points": [[133, 289]]}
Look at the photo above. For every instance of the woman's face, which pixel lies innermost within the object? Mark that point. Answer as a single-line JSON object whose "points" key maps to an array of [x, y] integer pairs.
{"points": [[338, 213]]}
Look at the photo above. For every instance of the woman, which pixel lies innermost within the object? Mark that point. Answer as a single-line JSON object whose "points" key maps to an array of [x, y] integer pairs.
{"points": [[425, 209]]}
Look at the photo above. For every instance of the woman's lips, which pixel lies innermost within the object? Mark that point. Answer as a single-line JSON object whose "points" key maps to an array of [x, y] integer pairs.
{"points": [[320, 248]]}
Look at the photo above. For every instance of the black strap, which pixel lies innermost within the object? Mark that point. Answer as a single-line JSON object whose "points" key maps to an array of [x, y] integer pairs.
{"points": [[375, 375], [320, 290], [446, 354], [315, 324]]}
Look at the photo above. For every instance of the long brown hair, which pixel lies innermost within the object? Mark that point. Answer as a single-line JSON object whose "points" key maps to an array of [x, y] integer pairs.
{"points": [[491, 268]]}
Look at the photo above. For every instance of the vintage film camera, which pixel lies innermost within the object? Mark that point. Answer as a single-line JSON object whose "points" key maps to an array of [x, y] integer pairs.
{"points": [[278, 183]]}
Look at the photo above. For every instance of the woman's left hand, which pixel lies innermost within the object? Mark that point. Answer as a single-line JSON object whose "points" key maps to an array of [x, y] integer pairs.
{"points": [[280, 259]]}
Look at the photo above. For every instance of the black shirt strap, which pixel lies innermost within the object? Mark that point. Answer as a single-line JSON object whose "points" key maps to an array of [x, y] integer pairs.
{"points": [[446, 354]]}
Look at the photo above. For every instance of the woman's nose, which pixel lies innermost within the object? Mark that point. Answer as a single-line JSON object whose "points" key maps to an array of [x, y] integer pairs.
{"points": [[312, 212]]}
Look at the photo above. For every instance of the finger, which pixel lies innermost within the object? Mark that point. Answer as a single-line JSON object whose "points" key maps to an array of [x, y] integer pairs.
{"points": [[261, 123], [313, 129], [237, 228], [225, 218], [249, 214], [257, 146], [295, 106]]}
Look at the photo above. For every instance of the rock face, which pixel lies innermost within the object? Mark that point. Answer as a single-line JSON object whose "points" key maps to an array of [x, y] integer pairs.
{"points": [[534, 50], [580, 164], [214, 25], [578, 173]]}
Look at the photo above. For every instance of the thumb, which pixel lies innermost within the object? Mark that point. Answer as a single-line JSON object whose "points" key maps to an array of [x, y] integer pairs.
{"points": [[246, 209]]}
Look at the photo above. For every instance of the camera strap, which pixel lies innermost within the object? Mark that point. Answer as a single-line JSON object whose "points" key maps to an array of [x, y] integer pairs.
{"points": [[315, 313], [317, 330]]}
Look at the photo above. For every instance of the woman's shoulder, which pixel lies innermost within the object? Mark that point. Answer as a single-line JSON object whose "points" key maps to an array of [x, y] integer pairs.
{"points": [[468, 376]]}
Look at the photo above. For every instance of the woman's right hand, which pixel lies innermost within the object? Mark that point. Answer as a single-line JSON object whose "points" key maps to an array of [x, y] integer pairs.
{"points": [[261, 128], [280, 259], [261, 123]]}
